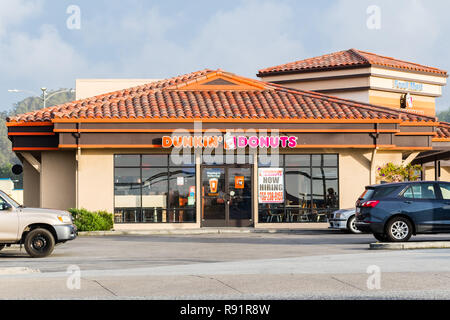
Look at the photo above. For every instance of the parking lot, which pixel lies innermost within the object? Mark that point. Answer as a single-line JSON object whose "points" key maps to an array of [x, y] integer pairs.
{"points": [[310, 264]]}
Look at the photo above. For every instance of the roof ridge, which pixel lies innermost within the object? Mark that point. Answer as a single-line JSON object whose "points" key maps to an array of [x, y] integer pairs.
{"points": [[398, 60], [339, 59], [356, 53], [302, 60]]}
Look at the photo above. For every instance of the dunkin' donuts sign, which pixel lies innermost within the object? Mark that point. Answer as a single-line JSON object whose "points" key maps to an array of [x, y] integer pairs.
{"points": [[229, 142]]}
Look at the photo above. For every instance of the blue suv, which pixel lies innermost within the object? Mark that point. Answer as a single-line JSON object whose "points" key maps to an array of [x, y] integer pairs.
{"points": [[394, 212]]}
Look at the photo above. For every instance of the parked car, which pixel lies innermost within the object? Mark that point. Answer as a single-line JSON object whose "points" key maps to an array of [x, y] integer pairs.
{"points": [[394, 212], [39, 230], [344, 219]]}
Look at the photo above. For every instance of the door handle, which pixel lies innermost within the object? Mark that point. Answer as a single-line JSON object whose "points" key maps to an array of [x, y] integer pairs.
{"points": [[408, 202]]}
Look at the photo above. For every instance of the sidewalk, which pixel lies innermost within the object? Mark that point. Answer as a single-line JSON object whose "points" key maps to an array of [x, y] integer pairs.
{"points": [[319, 228]]}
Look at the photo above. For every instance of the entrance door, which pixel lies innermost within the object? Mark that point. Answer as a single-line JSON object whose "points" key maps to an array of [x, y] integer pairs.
{"points": [[227, 196]]}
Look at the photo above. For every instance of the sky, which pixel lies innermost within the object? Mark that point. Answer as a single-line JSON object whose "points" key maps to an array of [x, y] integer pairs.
{"points": [[50, 43]]}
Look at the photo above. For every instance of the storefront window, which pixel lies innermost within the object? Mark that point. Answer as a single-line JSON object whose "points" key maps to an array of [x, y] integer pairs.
{"points": [[182, 194], [311, 190], [148, 189]]}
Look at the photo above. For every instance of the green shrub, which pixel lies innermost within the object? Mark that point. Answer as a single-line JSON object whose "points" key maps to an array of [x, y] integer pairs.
{"points": [[92, 221]]}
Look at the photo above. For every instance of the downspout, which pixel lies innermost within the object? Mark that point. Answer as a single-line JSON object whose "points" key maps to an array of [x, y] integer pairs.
{"points": [[374, 153], [77, 165]]}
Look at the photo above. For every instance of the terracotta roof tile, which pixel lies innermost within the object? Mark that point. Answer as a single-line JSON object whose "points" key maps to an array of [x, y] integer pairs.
{"points": [[160, 100], [443, 131], [347, 58]]}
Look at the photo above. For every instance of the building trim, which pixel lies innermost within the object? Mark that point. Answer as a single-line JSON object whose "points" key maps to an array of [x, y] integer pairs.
{"points": [[349, 89], [224, 130], [416, 134], [224, 120], [350, 146], [358, 75], [34, 149], [29, 124], [31, 133], [109, 146], [359, 66]]}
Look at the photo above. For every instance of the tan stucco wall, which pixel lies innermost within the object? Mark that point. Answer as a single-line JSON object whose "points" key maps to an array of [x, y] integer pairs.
{"points": [[354, 175], [354, 172], [86, 88], [96, 180], [31, 186], [58, 179], [421, 104], [330, 84], [316, 74], [445, 173]]}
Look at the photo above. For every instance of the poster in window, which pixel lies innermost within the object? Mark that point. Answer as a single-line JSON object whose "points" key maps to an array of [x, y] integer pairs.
{"points": [[271, 185], [239, 182]]}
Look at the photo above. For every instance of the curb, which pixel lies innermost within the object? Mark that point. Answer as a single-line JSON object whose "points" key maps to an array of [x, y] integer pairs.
{"points": [[193, 232], [410, 245]]}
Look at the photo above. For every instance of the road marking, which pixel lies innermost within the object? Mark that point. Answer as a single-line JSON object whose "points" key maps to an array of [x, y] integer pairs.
{"points": [[17, 270]]}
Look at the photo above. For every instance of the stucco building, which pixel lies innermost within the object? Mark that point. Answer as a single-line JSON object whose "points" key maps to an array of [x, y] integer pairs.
{"points": [[212, 148]]}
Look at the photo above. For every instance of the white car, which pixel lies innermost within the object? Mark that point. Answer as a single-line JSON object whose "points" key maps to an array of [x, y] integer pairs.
{"points": [[344, 219], [39, 230]]}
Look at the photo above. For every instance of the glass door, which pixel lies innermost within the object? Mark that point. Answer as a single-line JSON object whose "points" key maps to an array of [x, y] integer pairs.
{"points": [[213, 197], [226, 196], [240, 197]]}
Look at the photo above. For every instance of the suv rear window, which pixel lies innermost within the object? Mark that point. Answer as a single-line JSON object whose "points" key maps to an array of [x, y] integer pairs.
{"points": [[378, 193], [420, 191]]}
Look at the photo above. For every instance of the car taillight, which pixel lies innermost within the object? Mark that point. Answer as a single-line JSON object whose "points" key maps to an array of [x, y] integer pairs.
{"points": [[370, 204]]}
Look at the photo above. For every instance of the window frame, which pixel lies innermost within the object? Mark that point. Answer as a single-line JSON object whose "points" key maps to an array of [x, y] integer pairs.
{"points": [[310, 197], [167, 168], [437, 192]]}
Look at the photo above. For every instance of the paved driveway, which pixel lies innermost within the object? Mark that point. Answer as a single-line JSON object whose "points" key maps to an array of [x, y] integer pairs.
{"points": [[326, 264]]}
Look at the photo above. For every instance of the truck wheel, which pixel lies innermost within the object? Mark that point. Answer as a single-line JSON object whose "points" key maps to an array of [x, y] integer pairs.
{"points": [[351, 226], [39, 243], [381, 237], [399, 229]]}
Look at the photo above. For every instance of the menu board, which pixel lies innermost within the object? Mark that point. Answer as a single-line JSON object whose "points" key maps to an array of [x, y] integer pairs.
{"points": [[271, 185]]}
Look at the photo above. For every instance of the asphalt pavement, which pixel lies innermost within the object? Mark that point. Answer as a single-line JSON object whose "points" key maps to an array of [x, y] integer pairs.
{"points": [[310, 265]]}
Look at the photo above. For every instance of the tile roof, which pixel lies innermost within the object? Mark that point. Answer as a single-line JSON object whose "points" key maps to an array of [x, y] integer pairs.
{"points": [[344, 59], [443, 131], [196, 95]]}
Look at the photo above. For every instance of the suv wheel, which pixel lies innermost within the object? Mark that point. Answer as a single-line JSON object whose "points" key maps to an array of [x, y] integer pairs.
{"points": [[399, 230], [351, 225], [39, 243]]}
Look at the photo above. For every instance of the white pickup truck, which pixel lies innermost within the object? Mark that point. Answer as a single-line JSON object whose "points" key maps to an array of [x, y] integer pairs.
{"points": [[39, 230]]}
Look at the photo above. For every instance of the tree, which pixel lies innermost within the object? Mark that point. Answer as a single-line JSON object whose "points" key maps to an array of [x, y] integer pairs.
{"points": [[444, 115]]}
